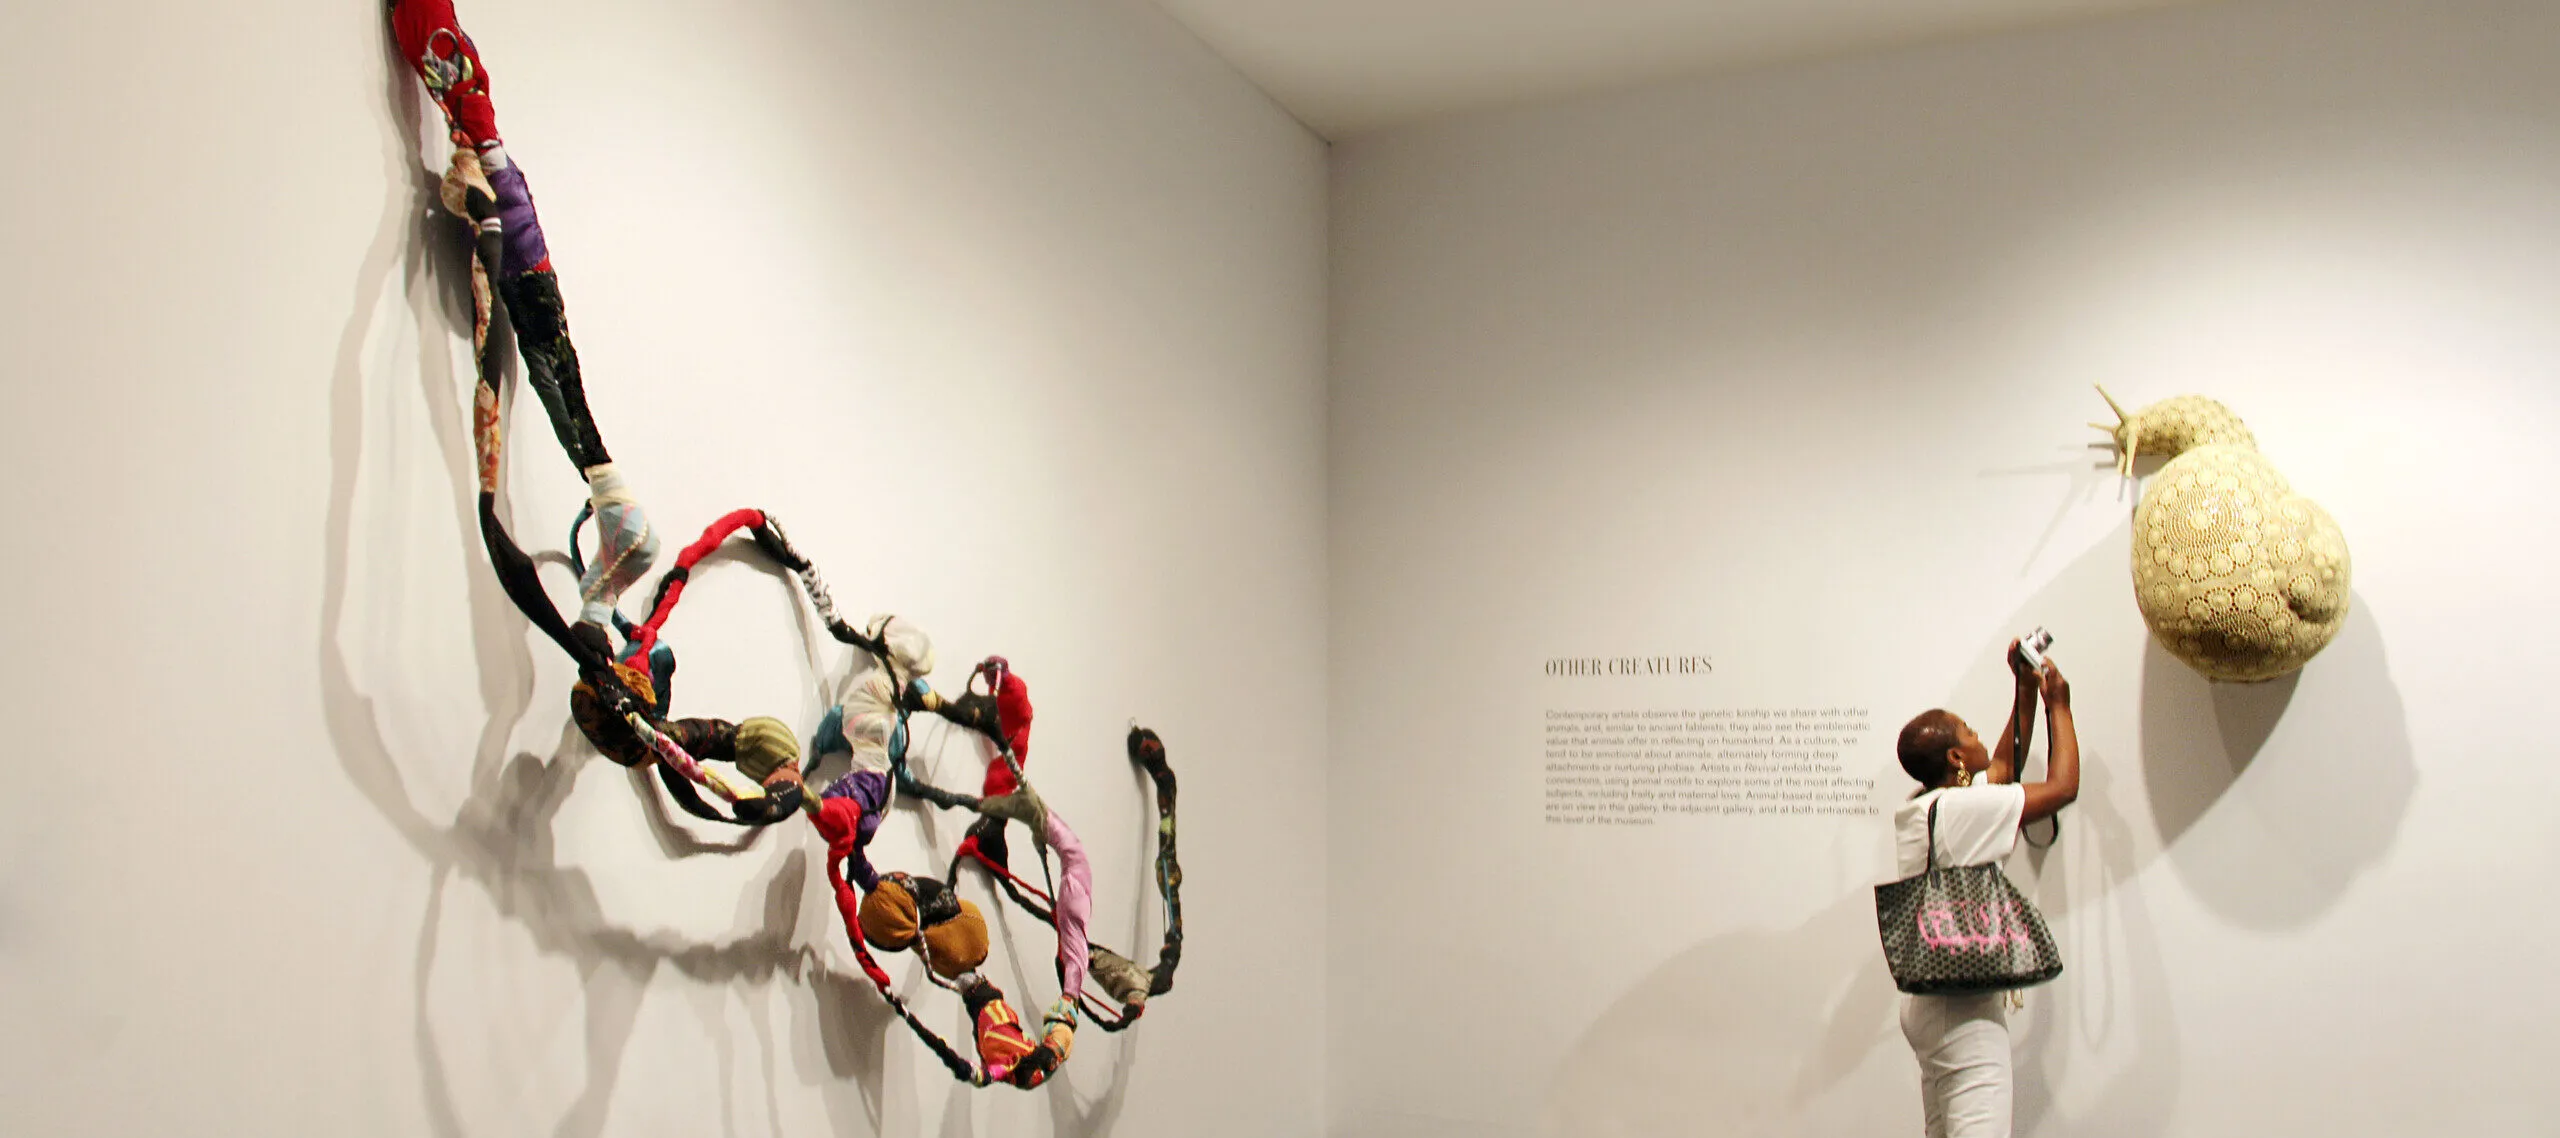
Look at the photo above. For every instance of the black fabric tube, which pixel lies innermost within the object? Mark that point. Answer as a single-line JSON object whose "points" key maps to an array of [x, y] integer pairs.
{"points": [[1147, 750], [551, 362]]}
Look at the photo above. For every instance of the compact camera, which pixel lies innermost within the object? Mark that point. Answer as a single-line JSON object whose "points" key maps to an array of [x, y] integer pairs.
{"points": [[2032, 647]]}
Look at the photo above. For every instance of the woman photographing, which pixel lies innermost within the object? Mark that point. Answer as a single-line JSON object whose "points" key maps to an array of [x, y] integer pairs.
{"points": [[1962, 1041]]}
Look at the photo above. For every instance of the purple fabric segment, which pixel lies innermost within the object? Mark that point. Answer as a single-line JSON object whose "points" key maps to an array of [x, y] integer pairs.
{"points": [[1075, 905], [869, 790], [525, 249]]}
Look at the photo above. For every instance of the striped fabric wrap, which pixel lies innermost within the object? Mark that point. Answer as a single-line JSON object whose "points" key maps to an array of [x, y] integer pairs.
{"points": [[625, 546]]}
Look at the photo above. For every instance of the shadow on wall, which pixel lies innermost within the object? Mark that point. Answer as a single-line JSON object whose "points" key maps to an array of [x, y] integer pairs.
{"points": [[1756, 1030], [2271, 798], [1734, 1037], [2111, 1009], [1763, 1030]]}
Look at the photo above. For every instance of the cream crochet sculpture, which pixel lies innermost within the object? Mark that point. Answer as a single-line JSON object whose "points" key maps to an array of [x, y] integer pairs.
{"points": [[2237, 575]]}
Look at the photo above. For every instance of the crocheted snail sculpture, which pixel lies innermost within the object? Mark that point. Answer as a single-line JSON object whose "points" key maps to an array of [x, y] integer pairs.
{"points": [[2238, 576]]}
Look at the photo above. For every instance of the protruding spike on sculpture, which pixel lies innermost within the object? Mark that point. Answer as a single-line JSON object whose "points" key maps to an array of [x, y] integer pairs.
{"points": [[2112, 405], [2126, 431]]}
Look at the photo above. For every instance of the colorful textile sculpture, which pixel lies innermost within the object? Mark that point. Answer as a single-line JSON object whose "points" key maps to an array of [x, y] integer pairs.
{"points": [[2239, 577], [624, 694]]}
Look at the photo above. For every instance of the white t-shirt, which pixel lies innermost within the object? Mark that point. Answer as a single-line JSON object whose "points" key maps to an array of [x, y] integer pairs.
{"points": [[1976, 824]]}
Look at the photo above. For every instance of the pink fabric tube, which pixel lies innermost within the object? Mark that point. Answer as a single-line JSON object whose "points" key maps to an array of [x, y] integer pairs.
{"points": [[1075, 904], [673, 754]]}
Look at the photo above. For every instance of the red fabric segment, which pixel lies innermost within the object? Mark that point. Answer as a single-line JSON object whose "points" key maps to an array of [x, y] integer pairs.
{"points": [[645, 637], [431, 39], [1013, 717], [718, 532], [1103, 1015], [839, 820], [969, 849], [1002, 1044]]}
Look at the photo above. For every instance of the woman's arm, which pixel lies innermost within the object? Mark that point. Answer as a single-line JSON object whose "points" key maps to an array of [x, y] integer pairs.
{"points": [[2019, 732], [2062, 765]]}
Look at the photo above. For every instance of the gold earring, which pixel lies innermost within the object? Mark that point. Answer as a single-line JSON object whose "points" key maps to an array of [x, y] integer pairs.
{"points": [[1964, 776]]}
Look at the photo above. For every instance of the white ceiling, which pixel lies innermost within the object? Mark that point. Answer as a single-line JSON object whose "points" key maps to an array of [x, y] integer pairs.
{"points": [[1349, 66]]}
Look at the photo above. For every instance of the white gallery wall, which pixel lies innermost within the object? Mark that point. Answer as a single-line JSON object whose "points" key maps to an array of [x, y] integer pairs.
{"points": [[1014, 313], [1020, 316], [1789, 372]]}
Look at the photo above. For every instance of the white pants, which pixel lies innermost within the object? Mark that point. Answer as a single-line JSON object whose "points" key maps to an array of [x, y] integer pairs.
{"points": [[1962, 1043]]}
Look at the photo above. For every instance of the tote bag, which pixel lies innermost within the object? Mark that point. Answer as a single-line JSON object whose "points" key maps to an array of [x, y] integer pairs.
{"points": [[1951, 931]]}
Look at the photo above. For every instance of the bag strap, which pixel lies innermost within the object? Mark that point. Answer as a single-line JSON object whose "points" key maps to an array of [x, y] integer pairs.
{"points": [[2018, 771], [1933, 834]]}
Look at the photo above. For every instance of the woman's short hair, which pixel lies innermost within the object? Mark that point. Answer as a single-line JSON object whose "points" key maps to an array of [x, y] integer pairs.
{"points": [[1924, 745]]}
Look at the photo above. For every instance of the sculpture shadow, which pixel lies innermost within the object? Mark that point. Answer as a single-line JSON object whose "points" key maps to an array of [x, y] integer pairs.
{"points": [[1760, 1027], [2114, 997], [2272, 798], [1752, 1025]]}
